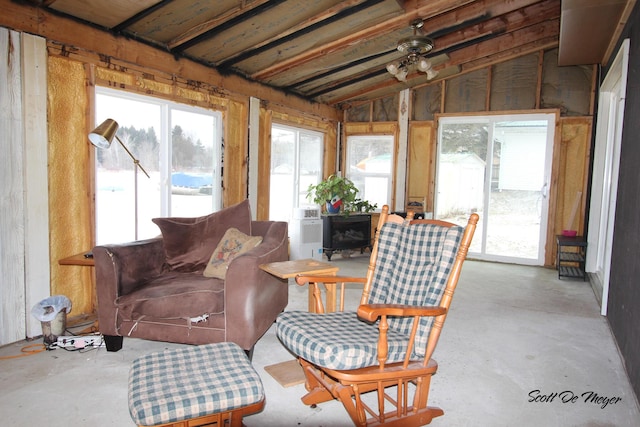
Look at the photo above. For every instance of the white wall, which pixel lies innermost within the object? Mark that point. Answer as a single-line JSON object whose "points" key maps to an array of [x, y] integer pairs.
{"points": [[24, 230]]}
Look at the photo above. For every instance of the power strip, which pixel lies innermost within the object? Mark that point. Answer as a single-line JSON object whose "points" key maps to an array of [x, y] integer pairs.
{"points": [[80, 341]]}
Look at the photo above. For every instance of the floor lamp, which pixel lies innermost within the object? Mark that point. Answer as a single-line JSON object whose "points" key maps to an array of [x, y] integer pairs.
{"points": [[101, 137]]}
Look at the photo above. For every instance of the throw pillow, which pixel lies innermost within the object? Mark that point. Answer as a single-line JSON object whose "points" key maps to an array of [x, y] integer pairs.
{"points": [[188, 241], [233, 243]]}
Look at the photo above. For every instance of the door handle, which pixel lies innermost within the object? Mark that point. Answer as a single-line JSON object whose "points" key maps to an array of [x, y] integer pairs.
{"points": [[544, 190]]}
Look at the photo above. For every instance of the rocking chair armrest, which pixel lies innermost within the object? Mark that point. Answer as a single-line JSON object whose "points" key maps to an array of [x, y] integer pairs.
{"points": [[371, 312], [304, 279]]}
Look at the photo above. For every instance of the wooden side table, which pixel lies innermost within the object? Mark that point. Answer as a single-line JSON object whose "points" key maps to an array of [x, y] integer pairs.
{"points": [[78, 259], [289, 373], [290, 269]]}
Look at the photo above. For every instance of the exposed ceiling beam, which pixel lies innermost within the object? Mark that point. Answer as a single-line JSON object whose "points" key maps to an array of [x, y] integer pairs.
{"points": [[231, 20], [212, 23], [481, 54], [431, 8], [140, 15], [545, 11], [344, 8], [534, 15], [439, 24]]}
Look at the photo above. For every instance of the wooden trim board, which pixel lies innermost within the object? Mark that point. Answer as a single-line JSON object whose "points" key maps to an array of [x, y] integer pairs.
{"points": [[287, 373]]}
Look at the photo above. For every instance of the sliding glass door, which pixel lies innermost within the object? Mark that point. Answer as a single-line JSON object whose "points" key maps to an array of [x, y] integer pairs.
{"points": [[500, 167]]}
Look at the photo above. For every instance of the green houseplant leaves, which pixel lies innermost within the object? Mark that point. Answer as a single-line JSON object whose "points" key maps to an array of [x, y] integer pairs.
{"points": [[337, 187]]}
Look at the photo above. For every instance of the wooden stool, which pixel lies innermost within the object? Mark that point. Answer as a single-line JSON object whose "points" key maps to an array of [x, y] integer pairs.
{"points": [[194, 386]]}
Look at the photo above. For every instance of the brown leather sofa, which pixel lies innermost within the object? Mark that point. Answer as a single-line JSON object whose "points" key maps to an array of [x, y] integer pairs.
{"points": [[155, 289]]}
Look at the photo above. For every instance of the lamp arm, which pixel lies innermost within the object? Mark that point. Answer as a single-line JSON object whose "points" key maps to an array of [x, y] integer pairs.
{"points": [[136, 162]]}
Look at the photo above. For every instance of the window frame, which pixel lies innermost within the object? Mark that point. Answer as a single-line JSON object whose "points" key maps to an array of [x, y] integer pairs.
{"points": [[298, 200], [164, 134], [392, 167]]}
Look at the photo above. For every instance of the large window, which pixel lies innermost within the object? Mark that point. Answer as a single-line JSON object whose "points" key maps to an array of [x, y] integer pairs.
{"points": [[370, 167], [178, 146], [296, 162]]}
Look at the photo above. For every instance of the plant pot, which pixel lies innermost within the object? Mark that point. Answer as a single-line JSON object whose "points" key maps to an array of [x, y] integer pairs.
{"points": [[331, 209]]}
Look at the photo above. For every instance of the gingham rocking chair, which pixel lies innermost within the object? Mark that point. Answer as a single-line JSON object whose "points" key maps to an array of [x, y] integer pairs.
{"points": [[386, 346]]}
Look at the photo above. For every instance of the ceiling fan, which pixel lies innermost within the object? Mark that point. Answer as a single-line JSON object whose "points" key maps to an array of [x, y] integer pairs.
{"points": [[415, 47]]}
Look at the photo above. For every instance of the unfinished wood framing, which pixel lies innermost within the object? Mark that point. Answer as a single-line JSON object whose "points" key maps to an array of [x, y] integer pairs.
{"points": [[70, 203], [421, 163]]}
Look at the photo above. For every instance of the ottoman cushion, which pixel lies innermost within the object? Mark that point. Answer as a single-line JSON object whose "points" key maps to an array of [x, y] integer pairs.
{"points": [[191, 382]]}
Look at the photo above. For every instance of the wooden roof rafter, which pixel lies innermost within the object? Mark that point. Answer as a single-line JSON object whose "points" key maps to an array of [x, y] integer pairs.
{"points": [[344, 8], [544, 24], [504, 46], [432, 8], [330, 49]]}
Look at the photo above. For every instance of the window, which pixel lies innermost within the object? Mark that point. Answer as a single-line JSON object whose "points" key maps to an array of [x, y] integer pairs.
{"points": [[179, 147], [296, 163], [498, 166], [370, 167]]}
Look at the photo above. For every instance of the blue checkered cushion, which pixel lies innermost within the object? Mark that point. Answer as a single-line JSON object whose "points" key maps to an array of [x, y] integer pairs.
{"points": [[413, 265], [191, 382], [335, 340]]}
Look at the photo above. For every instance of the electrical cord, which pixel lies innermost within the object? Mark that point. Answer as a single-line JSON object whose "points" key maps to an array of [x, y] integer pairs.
{"points": [[79, 349], [79, 345], [31, 349], [28, 350]]}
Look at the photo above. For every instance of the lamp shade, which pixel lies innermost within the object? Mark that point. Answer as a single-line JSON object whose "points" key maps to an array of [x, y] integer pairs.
{"points": [[393, 68], [424, 65], [102, 136]]}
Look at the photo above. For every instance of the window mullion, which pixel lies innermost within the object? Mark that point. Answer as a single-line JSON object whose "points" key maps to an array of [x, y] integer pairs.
{"points": [[165, 161]]}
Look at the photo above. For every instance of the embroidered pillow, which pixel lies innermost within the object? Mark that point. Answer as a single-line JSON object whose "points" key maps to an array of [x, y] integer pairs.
{"points": [[233, 243]]}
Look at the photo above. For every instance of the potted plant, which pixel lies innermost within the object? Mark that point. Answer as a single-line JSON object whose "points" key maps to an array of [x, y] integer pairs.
{"points": [[336, 192]]}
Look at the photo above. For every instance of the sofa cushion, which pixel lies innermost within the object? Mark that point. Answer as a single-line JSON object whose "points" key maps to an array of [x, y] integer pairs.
{"points": [[233, 243], [188, 242], [174, 295]]}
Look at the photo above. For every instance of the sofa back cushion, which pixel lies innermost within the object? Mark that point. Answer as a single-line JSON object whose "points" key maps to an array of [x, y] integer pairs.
{"points": [[189, 242]]}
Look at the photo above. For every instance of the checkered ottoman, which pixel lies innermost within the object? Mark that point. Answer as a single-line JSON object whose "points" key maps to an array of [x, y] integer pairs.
{"points": [[193, 386]]}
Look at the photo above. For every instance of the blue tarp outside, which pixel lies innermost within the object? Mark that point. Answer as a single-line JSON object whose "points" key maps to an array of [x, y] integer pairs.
{"points": [[181, 179]]}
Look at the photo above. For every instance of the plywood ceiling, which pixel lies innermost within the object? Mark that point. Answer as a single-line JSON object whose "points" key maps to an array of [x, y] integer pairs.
{"points": [[335, 52]]}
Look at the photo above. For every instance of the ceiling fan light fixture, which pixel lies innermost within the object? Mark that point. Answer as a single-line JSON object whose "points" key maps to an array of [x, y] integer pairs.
{"points": [[424, 65], [401, 75], [393, 67], [415, 47]]}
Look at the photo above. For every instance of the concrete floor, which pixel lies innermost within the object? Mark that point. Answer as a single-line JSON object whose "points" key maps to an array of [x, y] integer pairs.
{"points": [[513, 333]]}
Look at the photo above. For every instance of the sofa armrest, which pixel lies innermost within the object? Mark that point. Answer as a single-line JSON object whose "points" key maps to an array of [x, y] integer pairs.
{"points": [[253, 297], [119, 269]]}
